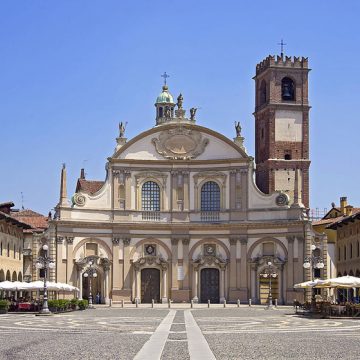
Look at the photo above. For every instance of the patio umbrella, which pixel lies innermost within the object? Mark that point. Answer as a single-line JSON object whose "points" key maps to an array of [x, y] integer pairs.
{"points": [[310, 284], [343, 282]]}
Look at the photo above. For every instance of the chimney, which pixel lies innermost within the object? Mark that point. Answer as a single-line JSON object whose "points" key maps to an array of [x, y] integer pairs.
{"points": [[349, 210], [343, 204], [63, 191], [82, 174]]}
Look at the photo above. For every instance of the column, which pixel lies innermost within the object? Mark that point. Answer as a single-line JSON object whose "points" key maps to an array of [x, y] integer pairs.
{"points": [[222, 284], [195, 284], [116, 269], [232, 189], [186, 191], [137, 283], [69, 260], [164, 298], [126, 242], [233, 242], [243, 264], [81, 284], [107, 285], [186, 263], [61, 274], [244, 189], [173, 187], [174, 264], [290, 265]]}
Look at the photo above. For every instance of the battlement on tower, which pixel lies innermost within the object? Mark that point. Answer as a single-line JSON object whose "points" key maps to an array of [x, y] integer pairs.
{"points": [[282, 61]]}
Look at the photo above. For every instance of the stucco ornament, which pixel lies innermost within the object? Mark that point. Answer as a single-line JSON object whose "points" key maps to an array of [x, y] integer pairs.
{"points": [[79, 200], [180, 143], [282, 199]]}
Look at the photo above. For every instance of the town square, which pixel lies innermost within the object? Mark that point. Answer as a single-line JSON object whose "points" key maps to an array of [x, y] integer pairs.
{"points": [[179, 180]]}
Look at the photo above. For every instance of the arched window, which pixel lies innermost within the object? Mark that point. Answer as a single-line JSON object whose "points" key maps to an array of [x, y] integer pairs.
{"points": [[210, 196], [351, 251], [8, 250], [150, 196], [1, 249], [287, 89], [14, 252], [358, 249], [161, 114], [344, 252], [263, 95]]}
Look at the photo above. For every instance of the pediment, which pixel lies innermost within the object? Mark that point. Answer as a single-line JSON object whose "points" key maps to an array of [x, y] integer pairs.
{"points": [[180, 142]]}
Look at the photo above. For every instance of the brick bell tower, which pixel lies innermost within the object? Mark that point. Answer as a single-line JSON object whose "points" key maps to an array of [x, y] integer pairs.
{"points": [[282, 126]]}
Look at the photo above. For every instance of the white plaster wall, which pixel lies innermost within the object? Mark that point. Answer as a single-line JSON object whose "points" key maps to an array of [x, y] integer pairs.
{"points": [[288, 125], [331, 261]]}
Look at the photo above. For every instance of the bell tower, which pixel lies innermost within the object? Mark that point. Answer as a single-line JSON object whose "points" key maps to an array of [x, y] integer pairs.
{"points": [[282, 126]]}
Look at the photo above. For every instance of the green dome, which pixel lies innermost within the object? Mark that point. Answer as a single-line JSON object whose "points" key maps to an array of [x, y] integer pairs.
{"points": [[165, 96]]}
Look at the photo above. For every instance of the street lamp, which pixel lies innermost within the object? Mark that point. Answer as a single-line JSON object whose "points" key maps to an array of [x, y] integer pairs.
{"points": [[45, 262], [313, 262], [269, 272], [90, 272]]}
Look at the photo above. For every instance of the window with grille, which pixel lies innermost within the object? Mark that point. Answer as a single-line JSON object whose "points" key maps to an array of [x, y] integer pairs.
{"points": [[210, 196], [150, 196]]}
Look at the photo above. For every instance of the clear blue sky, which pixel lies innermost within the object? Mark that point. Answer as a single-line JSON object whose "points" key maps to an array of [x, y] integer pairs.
{"points": [[71, 70]]}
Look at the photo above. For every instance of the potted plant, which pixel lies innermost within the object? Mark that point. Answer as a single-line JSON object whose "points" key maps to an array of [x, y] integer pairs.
{"points": [[4, 306]]}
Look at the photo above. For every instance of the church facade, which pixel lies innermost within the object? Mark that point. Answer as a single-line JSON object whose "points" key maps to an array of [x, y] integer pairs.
{"points": [[180, 216]]}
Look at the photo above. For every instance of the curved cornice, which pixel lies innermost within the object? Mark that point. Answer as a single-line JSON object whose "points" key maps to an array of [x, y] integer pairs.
{"points": [[160, 128]]}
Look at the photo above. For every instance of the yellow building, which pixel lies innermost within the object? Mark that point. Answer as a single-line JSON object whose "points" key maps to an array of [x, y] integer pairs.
{"points": [[343, 238], [11, 244]]}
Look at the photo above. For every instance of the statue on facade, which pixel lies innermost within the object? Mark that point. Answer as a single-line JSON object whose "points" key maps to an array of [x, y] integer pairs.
{"points": [[180, 100], [238, 129], [167, 112], [192, 113], [122, 128]]}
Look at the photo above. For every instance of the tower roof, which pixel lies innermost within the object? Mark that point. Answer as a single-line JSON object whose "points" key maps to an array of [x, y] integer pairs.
{"points": [[165, 96]]}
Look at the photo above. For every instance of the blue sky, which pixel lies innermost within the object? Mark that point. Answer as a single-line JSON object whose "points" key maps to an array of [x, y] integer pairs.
{"points": [[71, 70]]}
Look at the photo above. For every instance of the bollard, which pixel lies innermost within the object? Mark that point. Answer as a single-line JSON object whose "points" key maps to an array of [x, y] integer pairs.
{"points": [[136, 302], [152, 303], [192, 303], [249, 302], [208, 303], [238, 303], [169, 303], [110, 303], [275, 302], [122, 303], [224, 303]]}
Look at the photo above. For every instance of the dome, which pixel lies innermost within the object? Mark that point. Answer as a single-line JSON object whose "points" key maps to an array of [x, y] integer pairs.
{"points": [[165, 96]]}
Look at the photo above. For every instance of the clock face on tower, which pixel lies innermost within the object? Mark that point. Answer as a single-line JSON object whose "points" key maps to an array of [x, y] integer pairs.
{"points": [[150, 249]]}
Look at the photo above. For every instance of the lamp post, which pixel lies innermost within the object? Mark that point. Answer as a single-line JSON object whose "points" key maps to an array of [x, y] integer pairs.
{"points": [[90, 272], [45, 262], [269, 272], [313, 262]]}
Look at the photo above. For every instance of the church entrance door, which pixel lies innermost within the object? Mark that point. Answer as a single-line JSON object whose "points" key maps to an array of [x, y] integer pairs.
{"points": [[209, 285], [264, 290], [150, 285]]}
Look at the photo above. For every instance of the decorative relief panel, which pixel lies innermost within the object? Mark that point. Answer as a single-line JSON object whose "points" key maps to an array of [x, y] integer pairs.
{"points": [[180, 143]]}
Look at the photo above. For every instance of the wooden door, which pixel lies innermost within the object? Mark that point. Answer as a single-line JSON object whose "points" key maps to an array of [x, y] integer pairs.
{"points": [[264, 290], [150, 285], [209, 285]]}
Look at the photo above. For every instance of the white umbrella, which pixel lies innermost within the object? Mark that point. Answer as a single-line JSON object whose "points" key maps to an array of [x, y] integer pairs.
{"points": [[310, 284], [7, 285], [343, 282]]}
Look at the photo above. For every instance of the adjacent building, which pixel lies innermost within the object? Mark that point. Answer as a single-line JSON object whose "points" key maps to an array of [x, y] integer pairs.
{"points": [[11, 244]]}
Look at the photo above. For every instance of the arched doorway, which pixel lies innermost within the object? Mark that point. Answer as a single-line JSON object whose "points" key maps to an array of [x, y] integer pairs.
{"points": [[210, 285], [8, 276], [2, 275], [150, 285], [14, 276]]}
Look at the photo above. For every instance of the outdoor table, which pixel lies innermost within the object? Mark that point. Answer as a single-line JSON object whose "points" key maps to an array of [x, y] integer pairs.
{"points": [[24, 306]]}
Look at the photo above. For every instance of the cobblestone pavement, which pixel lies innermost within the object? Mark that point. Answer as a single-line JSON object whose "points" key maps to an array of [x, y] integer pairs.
{"points": [[178, 333]]}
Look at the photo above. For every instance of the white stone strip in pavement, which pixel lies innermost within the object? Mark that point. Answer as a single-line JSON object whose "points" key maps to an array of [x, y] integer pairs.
{"points": [[154, 347], [198, 347]]}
